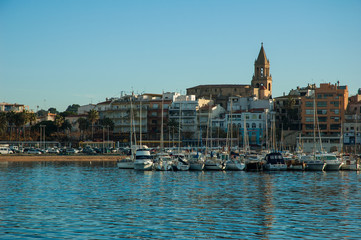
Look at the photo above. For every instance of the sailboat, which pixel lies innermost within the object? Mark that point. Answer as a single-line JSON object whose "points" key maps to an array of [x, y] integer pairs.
{"points": [[274, 161], [212, 161], [180, 161], [143, 159], [314, 162], [352, 162], [128, 162], [232, 162], [162, 160]]}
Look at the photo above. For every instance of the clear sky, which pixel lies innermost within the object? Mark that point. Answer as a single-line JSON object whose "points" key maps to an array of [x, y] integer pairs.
{"points": [[54, 53]]}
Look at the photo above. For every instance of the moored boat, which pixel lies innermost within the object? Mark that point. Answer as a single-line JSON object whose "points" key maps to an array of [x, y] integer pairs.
{"points": [[274, 162], [143, 160], [313, 162], [163, 162]]}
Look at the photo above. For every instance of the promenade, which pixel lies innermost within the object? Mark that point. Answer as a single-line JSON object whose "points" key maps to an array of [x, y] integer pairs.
{"points": [[57, 158]]}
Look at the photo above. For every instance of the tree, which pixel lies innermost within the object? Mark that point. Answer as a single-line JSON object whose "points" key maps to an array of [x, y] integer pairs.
{"points": [[93, 116], [10, 116], [66, 125], [73, 109], [53, 110], [41, 113], [83, 125], [107, 122], [59, 121], [3, 122]]}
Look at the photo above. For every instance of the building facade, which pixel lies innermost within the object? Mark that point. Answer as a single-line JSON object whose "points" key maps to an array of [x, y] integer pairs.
{"points": [[322, 113]]}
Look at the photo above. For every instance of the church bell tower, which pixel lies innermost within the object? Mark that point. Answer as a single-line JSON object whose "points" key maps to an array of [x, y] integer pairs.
{"points": [[262, 80]]}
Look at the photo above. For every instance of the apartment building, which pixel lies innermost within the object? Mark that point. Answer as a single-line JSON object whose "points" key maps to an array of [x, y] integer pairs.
{"points": [[323, 112]]}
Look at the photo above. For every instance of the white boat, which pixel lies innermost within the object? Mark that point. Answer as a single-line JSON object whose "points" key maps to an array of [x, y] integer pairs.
{"points": [[274, 162], [313, 162], [163, 162], [332, 162], [126, 163], [143, 160], [181, 162], [214, 163], [351, 163], [233, 163], [253, 162], [196, 162]]}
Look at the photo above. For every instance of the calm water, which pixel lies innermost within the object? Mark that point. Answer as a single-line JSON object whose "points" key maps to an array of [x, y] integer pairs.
{"points": [[99, 201]]}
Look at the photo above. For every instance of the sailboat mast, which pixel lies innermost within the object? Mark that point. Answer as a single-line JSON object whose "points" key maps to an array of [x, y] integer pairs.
{"points": [[140, 122], [179, 125], [162, 123]]}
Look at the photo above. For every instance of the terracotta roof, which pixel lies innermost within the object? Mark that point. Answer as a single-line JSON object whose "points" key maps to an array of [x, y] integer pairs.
{"points": [[220, 85]]}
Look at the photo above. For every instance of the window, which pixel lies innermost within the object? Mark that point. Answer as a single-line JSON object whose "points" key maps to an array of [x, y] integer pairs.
{"points": [[322, 104], [335, 126], [309, 112], [322, 111], [309, 104], [336, 104], [155, 106], [308, 119], [253, 125], [322, 119], [262, 72]]}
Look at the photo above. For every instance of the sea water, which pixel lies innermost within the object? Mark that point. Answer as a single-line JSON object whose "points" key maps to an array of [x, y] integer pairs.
{"points": [[88, 200]]}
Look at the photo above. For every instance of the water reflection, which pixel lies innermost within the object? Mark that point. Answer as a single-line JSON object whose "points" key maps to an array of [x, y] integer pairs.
{"points": [[97, 200]]}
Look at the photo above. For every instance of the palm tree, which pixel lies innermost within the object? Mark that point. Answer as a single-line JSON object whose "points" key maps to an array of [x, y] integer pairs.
{"points": [[59, 121], [3, 122], [10, 117], [83, 125], [93, 116]]}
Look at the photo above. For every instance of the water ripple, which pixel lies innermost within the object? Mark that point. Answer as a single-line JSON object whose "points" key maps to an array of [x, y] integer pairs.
{"points": [[98, 201]]}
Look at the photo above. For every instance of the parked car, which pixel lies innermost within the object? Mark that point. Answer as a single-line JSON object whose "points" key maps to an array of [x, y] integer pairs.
{"points": [[53, 150], [71, 151], [33, 151], [5, 150]]}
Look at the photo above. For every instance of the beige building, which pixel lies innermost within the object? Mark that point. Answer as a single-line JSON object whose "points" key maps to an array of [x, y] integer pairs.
{"points": [[261, 85], [7, 107]]}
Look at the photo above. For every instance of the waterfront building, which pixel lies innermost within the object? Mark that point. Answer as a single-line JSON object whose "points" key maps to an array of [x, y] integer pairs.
{"points": [[183, 111], [85, 109], [250, 113], [352, 124], [15, 107], [288, 115], [329, 110], [118, 110], [261, 85]]}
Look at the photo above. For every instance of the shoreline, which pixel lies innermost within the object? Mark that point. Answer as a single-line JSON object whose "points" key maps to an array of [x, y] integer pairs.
{"points": [[59, 158]]}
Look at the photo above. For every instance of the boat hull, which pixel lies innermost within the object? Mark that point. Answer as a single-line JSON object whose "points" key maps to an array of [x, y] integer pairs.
{"points": [[212, 166], [125, 164], [275, 167], [315, 166], [254, 166], [196, 166], [332, 166], [351, 167], [143, 165], [235, 166]]}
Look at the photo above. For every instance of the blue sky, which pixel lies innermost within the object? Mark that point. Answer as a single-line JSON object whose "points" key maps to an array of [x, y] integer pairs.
{"points": [[56, 53]]}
